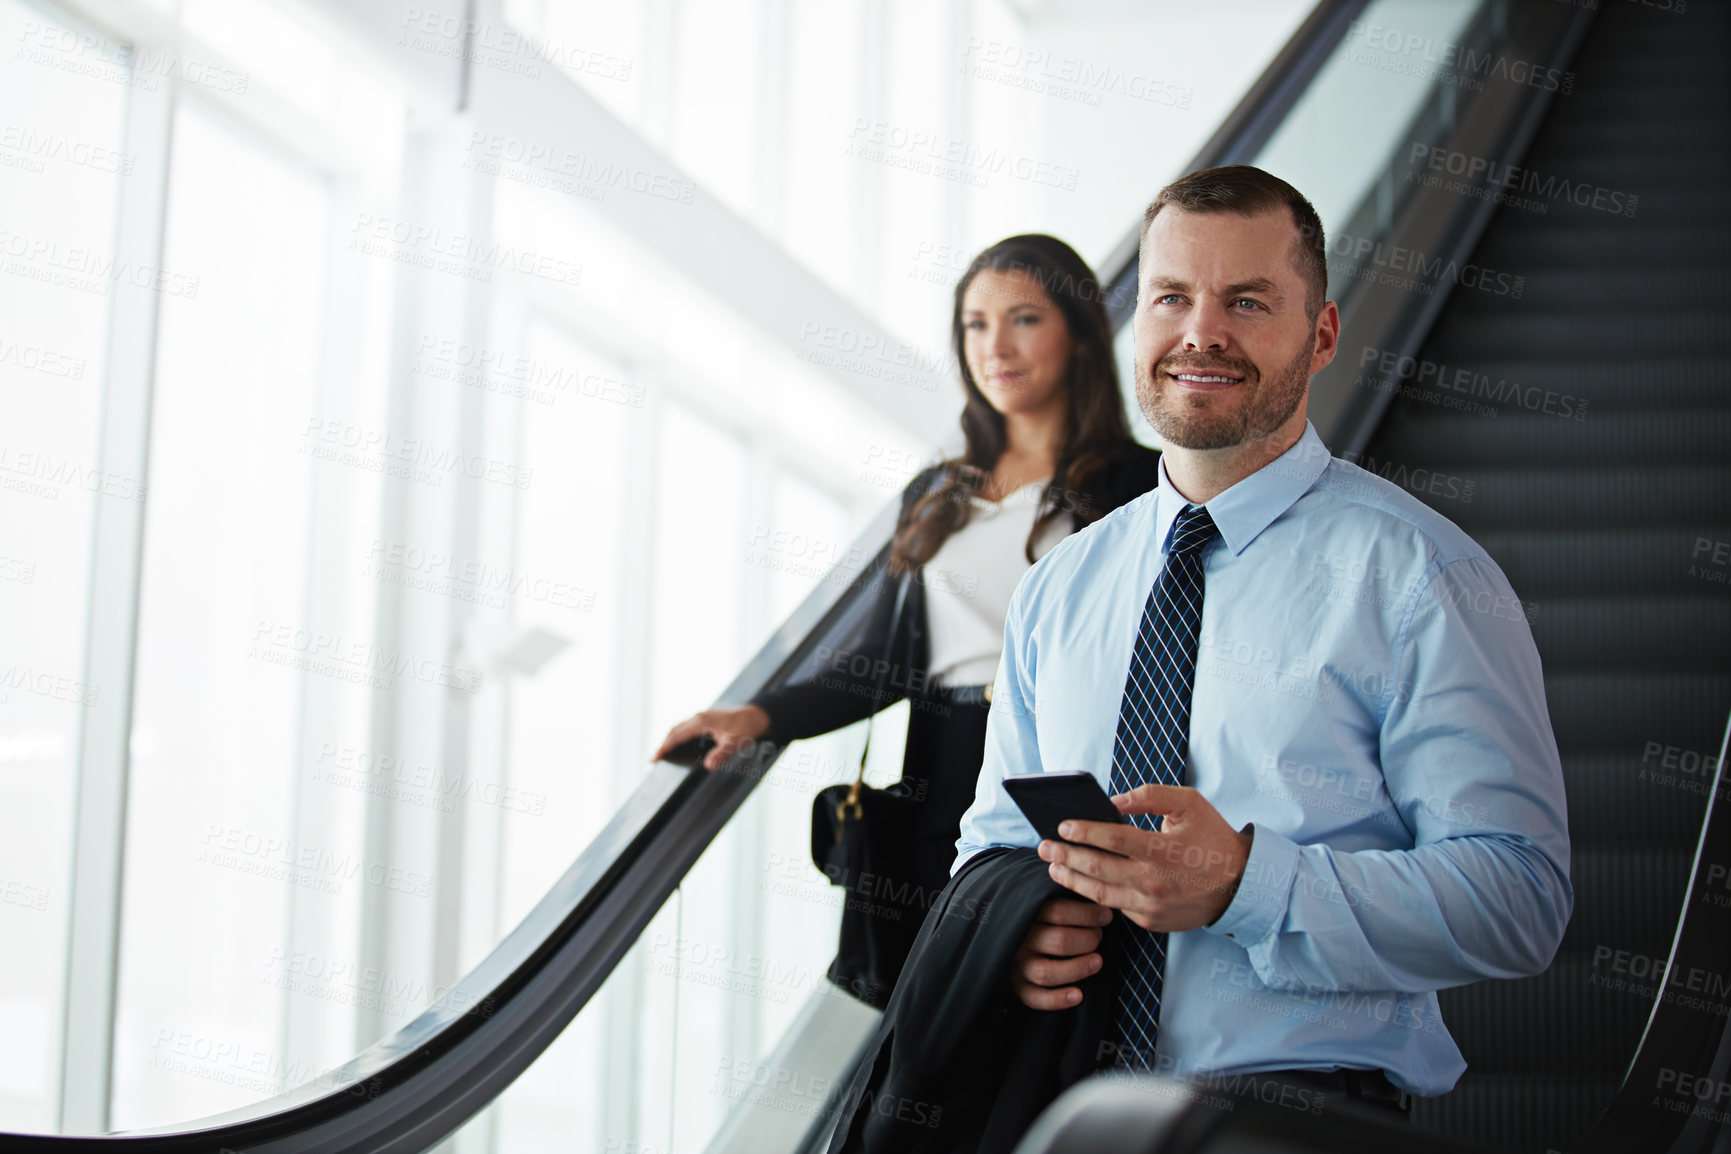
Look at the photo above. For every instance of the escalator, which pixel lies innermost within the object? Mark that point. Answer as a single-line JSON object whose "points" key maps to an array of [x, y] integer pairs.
{"points": [[1578, 430], [1596, 463], [1597, 515]]}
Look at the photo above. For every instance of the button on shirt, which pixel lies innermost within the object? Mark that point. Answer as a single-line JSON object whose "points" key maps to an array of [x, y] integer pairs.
{"points": [[1368, 696]]}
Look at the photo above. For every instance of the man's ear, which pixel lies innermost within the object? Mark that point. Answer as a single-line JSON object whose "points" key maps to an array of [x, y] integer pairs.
{"points": [[1326, 338]]}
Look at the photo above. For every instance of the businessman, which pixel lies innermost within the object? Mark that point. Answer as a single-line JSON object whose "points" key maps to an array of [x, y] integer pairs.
{"points": [[1318, 701]]}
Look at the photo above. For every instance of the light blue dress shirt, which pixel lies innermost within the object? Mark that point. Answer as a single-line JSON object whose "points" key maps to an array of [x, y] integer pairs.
{"points": [[1369, 697]]}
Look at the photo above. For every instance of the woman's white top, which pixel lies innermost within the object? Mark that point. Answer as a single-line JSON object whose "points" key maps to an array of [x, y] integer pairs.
{"points": [[969, 581]]}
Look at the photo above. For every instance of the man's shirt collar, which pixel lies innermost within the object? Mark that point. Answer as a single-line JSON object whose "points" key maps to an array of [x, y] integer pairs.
{"points": [[1253, 504]]}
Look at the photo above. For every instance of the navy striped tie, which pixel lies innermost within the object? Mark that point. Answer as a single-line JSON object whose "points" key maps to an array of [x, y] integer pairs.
{"points": [[1152, 743]]}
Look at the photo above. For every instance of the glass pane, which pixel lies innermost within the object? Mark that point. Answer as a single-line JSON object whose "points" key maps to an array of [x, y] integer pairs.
{"points": [[915, 267], [62, 162], [598, 43], [269, 779], [828, 161], [696, 641], [1112, 99], [1338, 137], [715, 102], [225, 643], [283, 50], [564, 760], [747, 942]]}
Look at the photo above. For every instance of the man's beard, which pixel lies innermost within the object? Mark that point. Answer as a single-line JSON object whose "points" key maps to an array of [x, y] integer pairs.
{"points": [[1200, 421]]}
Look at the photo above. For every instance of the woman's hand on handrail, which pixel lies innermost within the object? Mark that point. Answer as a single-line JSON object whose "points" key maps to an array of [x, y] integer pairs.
{"points": [[730, 729]]}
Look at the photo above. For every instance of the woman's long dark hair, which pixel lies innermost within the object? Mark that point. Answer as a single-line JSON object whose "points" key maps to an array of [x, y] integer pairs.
{"points": [[1095, 428]]}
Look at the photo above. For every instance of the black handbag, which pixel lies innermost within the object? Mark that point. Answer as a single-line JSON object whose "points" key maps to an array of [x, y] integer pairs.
{"points": [[862, 838]]}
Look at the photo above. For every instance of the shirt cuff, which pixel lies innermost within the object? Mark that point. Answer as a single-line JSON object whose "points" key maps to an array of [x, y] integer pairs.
{"points": [[1259, 906]]}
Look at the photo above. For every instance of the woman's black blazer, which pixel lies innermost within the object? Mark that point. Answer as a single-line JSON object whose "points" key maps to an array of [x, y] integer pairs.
{"points": [[833, 680]]}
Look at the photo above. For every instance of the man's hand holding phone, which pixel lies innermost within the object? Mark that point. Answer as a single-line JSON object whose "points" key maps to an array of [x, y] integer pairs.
{"points": [[1177, 878]]}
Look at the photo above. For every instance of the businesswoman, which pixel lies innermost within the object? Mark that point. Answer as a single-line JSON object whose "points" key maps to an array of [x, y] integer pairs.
{"points": [[1047, 451]]}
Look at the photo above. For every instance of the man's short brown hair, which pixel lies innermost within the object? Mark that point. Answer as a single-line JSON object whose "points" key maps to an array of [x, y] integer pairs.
{"points": [[1248, 191]]}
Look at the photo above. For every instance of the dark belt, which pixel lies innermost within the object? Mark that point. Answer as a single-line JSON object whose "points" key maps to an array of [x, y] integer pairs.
{"points": [[1370, 1086]]}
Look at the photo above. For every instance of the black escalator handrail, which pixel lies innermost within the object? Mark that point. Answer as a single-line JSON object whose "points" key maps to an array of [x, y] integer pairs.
{"points": [[1685, 1040], [406, 1093], [1250, 124]]}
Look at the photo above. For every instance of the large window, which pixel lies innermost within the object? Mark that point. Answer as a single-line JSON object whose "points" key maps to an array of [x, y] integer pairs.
{"points": [[63, 163], [243, 580], [400, 428]]}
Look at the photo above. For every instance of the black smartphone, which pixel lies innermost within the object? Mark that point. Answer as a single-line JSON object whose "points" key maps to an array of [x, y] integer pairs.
{"points": [[1049, 798]]}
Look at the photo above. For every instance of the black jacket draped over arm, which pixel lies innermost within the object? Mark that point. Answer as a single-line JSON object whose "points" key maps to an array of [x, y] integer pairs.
{"points": [[957, 1063]]}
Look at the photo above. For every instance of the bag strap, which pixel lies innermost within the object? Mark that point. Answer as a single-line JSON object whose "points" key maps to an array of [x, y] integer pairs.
{"points": [[852, 801]]}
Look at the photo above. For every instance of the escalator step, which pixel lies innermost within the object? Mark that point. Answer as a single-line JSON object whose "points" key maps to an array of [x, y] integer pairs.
{"points": [[1630, 46], [1528, 1113], [1692, 171], [1634, 70], [1521, 253], [1615, 709], [1655, 201], [1592, 498], [1543, 566], [1627, 898], [1636, 44], [1582, 165], [1654, 101], [1576, 1018], [1581, 498], [1680, 132], [1625, 382], [1569, 433], [1609, 292], [1663, 633], [1662, 23], [1646, 194], [1521, 330], [1655, 797]]}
